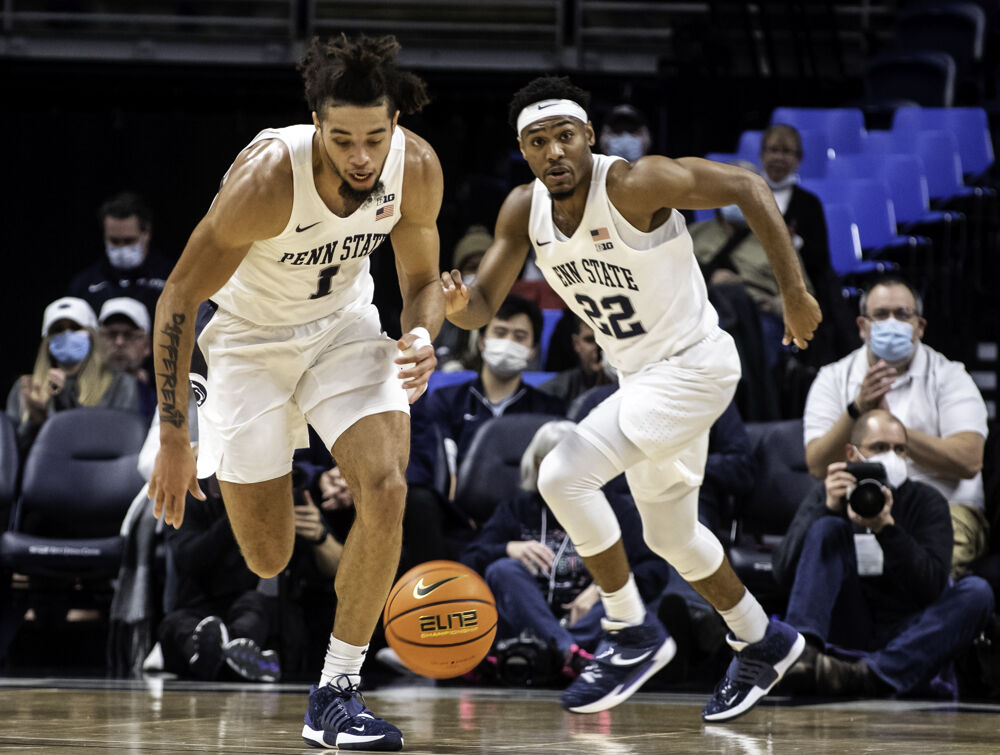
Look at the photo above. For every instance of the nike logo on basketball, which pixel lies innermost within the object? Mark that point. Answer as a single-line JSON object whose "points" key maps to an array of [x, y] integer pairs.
{"points": [[542, 243], [422, 591], [299, 229]]}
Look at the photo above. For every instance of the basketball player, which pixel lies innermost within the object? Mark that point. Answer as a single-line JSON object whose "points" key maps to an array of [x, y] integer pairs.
{"points": [[608, 237], [283, 252]]}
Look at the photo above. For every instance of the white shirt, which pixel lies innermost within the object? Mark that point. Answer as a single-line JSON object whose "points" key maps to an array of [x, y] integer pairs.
{"points": [[935, 396]]}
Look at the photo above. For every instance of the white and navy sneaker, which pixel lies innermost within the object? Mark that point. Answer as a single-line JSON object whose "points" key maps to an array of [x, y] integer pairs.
{"points": [[339, 718], [754, 670], [625, 658]]}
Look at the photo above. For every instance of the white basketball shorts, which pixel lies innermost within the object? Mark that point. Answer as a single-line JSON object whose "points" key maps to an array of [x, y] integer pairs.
{"points": [[266, 382]]}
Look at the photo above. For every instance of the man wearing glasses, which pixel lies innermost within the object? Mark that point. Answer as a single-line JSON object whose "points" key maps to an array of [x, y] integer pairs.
{"points": [[935, 398], [124, 339]]}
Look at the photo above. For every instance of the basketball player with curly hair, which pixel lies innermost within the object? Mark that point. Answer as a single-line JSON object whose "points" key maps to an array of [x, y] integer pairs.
{"points": [[283, 253], [608, 237]]}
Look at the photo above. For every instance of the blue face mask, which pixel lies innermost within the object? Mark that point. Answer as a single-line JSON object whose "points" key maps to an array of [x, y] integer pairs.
{"points": [[625, 145], [733, 215], [70, 347], [891, 340]]}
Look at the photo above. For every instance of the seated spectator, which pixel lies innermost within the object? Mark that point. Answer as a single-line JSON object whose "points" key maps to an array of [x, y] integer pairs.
{"points": [[591, 369], [127, 267], [876, 584], [936, 399], [456, 348], [126, 345], [69, 372], [540, 583], [507, 344], [625, 133]]}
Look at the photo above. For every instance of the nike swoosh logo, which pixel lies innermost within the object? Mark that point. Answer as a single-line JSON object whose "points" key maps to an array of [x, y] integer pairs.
{"points": [[299, 229], [542, 243], [551, 104], [357, 728], [619, 660], [422, 591]]}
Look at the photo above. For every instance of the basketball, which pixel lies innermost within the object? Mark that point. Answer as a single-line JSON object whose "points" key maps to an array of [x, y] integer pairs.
{"points": [[440, 619]]}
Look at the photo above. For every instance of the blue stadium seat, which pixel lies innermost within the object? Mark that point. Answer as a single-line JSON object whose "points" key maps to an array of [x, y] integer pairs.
{"points": [[843, 129], [550, 317], [749, 146], [536, 377], [845, 242], [969, 125], [439, 379], [905, 176]]}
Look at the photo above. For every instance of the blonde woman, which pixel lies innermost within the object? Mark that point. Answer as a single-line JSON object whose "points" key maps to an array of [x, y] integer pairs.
{"points": [[69, 372]]}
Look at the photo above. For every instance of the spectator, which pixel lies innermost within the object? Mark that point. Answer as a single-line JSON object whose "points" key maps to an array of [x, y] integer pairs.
{"points": [[69, 372], [878, 585], [456, 348], [125, 344], [591, 369], [936, 399], [507, 345], [625, 134], [128, 268], [540, 583]]}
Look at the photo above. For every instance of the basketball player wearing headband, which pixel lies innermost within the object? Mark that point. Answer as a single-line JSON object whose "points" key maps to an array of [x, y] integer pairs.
{"points": [[283, 252], [609, 238]]}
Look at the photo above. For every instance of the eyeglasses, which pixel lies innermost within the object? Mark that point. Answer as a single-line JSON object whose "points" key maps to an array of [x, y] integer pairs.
{"points": [[880, 447], [125, 335], [903, 314]]}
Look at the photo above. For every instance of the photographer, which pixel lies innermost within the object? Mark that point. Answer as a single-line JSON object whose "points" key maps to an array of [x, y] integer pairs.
{"points": [[875, 581]]}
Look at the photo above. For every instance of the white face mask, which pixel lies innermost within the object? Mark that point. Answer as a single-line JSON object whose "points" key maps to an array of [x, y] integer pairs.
{"points": [[895, 467], [467, 279], [505, 357], [125, 257]]}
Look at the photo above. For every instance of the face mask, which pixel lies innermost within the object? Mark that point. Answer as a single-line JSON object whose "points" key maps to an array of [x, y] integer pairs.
{"points": [[733, 215], [891, 340], [70, 347], [790, 180], [505, 357], [895, 467], [125, 257], [625, 145]]}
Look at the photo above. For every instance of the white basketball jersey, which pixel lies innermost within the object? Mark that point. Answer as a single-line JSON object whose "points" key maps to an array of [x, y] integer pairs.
{"points": [[642, 293], [319, 263]]}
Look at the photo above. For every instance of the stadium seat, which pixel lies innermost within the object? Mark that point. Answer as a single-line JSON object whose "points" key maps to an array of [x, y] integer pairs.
{"points": [[922, 78], [969, 125], [490, 470], [845, 242], [842, 129], [439, 379], [9, 463]]}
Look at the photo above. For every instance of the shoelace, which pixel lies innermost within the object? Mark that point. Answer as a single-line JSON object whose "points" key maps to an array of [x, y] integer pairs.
{"points": [[336, 714], [748, 671]]}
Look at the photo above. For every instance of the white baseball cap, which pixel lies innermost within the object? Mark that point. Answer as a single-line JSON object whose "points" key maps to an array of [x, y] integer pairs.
{"points": [[69, 308], [123, 305]]}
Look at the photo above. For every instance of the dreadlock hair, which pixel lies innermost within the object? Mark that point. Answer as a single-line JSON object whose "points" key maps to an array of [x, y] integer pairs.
{"points": [[545, 88], [359, 71]]}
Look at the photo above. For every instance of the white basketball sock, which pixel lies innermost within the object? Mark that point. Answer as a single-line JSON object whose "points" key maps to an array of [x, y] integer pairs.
{"points": [[343, 660], [747, 619], [625, 604]]}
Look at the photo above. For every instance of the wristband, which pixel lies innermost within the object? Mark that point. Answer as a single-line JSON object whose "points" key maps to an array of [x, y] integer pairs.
{"points": [[423, 337], [853, 410]]}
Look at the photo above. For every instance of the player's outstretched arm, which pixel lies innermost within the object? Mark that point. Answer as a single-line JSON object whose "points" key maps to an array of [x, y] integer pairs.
{"points": [[473, 306], [248, 207], [417, 247], [691, 183]]}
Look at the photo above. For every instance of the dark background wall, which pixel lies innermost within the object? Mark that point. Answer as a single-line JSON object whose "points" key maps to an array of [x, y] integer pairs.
{"points": [[77, 132]]}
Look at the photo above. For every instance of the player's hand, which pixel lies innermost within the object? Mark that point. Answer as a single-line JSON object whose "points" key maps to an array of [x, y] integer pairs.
{"points": [[874, 387], [802, 315], [418, 362], [536, 557], [837, 481], [174, 475], [456, 293], [582, 604]]}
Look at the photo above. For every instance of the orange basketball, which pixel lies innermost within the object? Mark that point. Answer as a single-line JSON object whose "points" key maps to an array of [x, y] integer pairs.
{"points": [[440, 619]]}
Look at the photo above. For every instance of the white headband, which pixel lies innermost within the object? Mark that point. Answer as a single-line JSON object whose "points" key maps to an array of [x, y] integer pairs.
{"points": [[546, 109]]}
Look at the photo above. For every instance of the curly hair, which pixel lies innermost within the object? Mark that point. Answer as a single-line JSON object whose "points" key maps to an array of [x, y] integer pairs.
{"points": [[359, 71], [545, 88]]}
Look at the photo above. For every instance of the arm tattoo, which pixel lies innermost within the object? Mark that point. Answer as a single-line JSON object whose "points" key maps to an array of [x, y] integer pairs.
{"points": [[168, 392]]}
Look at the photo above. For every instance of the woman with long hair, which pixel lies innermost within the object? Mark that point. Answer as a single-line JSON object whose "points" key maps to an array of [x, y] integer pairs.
{"points": [[69, 372]]}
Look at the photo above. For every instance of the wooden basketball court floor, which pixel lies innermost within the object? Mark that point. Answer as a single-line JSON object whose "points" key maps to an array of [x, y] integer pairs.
{"points": [[158, 716]]}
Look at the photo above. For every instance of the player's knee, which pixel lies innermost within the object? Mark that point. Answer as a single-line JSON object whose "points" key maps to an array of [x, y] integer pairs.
{"points": [[556, 478], [267, 563], [695, 555], [383, 500]]}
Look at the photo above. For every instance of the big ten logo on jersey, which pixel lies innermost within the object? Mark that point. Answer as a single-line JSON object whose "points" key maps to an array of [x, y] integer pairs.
{"points": [[459, 622], [601, 239], [385, 198]]}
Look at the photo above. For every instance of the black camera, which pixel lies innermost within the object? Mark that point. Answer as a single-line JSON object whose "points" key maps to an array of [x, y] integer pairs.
{"points": [[867, 498], [525, 661]]}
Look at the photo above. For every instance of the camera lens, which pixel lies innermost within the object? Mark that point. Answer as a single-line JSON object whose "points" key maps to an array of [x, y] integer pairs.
{"points": [[867, 499]]}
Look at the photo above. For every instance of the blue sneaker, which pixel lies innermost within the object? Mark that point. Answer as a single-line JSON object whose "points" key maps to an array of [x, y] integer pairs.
{"points": [[625, 658], [754, 670], [245, 657], [339, 718]]}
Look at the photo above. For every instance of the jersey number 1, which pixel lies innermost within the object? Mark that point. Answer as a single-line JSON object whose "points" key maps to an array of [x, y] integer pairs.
{"points": [[324, 281]]}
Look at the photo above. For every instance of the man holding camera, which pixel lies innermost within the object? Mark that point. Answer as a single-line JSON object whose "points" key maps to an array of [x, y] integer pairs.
{"points": [[867, 561]]}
